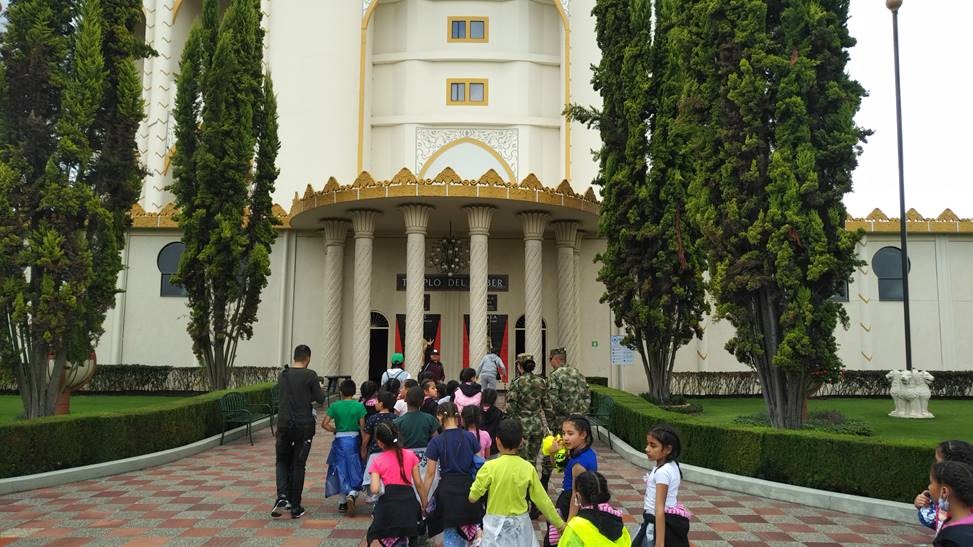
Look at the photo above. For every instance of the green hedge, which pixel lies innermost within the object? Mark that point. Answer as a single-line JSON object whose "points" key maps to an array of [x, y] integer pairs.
{"points": [[61, 442], [885, 469]]}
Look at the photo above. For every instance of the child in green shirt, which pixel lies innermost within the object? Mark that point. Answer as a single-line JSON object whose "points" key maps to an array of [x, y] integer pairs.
{"points": [[506, 479], [345, 418]]}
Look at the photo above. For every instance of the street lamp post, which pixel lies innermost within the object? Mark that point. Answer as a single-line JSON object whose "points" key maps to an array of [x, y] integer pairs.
{"points": [[894, 6]]}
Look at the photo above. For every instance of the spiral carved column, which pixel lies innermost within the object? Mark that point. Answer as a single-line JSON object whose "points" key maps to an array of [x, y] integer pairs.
{"points": [[416, 216], [565, 236], [334, 232], [576, 358], [479, 217], [534, 224], [363, 222]]}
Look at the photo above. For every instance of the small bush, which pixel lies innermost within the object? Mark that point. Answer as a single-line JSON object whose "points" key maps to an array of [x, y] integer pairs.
{"points": [[61, 442], [864, 466], [830, 421]]}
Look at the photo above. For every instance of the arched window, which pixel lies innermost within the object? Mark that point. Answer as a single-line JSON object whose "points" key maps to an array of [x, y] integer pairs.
{"points": [[379, 321], [168, 262], [887, 265]]}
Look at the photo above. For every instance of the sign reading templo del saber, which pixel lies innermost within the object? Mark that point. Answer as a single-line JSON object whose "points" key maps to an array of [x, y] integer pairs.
{"points": [[458, 282]]}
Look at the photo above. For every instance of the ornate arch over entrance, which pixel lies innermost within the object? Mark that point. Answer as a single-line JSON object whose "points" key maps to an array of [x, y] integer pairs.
{"points": [[467, 151]]}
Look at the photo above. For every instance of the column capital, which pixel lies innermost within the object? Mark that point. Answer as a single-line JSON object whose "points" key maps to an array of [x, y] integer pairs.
{"points": [[565, 233], [334, 230], [363, 222], [534, 224], [578, 239], [479, 218], [416, 217]]}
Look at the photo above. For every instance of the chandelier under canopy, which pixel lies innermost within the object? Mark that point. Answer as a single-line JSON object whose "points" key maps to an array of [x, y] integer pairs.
{"points": [[450, 255]]}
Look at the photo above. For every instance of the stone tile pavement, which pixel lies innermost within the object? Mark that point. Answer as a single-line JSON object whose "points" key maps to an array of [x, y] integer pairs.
{"points": [[223, 497]]}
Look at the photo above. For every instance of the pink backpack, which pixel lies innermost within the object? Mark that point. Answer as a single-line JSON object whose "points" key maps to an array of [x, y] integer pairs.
{"points": [[461, 400]]}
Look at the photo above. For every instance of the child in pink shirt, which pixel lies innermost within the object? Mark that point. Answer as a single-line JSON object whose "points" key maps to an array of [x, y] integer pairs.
{"points": [[473, 419], [397, 512]]}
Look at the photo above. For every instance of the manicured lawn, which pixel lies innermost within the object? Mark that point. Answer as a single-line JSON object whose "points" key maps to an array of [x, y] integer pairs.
{"points": [[11, 406], [954, 418]]}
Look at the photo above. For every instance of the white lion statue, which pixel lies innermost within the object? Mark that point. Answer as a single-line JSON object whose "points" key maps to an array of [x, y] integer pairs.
{"points": [[910, 392], [919, 406], [900, 386]]}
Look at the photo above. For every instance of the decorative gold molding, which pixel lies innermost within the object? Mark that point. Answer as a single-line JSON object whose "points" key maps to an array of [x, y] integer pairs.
{"points": [[446, 183], [878, 222], [442, 150], [166, 217]]}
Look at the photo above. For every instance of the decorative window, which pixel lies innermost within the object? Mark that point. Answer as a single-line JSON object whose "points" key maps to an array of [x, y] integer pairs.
{"points": [[887, 265], [469, 29], [168, 262], [473, 92]]}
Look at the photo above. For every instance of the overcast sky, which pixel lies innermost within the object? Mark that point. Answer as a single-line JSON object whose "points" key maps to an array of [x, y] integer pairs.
{"points": [[936, 56]]}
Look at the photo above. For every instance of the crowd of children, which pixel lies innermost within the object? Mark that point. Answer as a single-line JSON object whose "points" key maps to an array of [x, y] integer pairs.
{"points": [[443, 459], [434, 458]]}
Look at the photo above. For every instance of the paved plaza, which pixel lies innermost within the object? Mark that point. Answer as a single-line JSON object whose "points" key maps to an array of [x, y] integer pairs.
{"points": [[223, 497]]}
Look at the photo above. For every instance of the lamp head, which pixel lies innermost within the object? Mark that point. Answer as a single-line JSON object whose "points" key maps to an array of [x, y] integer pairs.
{"points": [[893, 5]]}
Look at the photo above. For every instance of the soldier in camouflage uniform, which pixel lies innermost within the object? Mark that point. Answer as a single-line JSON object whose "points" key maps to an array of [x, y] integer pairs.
{"points": [[569, 394], [527, 401]]}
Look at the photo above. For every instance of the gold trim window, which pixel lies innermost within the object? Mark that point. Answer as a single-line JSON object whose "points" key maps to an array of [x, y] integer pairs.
{"points": [[471, 92], [468, 29]]}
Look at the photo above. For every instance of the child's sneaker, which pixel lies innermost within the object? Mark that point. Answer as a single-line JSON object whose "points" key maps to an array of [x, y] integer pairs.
{"points": [[297, 512], [342, 508], [350, 501]]}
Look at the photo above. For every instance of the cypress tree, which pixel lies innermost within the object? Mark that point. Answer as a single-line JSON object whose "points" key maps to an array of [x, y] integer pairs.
{"points": [[68, 176], [770, 110], [224, 173], [650, 268]]}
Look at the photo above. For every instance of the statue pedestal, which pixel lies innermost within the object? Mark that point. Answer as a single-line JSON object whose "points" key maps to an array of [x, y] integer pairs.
{"points": [[910, 393]]}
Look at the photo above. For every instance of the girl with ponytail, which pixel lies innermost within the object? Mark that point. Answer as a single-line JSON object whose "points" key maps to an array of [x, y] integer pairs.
{"points": [[452, 453], [597, 523], [951, 484], [395, 519], [666, 521]]}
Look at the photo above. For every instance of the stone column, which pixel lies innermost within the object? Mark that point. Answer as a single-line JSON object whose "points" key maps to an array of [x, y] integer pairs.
{"points": [[416, 217], [363, 221], [479, 217], [576, 359], [335, 230], [534, 224], [565, 237]]}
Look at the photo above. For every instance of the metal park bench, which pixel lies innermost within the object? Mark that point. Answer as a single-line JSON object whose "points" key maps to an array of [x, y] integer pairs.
{"points": [[600, 415], [235, 409]]}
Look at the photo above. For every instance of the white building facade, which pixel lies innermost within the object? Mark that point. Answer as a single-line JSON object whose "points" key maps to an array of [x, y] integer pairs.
{"points": [[414, 128]]}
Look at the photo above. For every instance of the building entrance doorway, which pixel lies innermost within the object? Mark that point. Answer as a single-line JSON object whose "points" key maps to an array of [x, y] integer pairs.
{"points": [[378, 353], [520, 345], [496, 335]]}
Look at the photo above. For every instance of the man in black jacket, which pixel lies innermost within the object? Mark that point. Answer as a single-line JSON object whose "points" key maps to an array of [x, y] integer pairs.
{"points": [[299, 387]]}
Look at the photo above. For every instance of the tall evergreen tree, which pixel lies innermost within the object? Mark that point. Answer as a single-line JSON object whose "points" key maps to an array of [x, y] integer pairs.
{"points": [[650, 268], [226, 149], [771, 112], [68, 176]]}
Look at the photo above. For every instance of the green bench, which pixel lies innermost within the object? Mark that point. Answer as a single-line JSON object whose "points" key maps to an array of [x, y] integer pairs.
{"points": [[600, 415], [235, 409]]}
